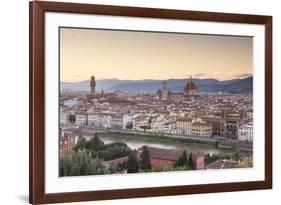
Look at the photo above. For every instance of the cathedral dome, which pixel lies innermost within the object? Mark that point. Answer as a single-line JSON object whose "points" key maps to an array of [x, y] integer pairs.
{"points": [[190, 88]]}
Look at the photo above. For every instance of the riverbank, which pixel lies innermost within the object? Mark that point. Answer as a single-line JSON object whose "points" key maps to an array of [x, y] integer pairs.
{"points": [[162, 137], [135, 142], [159, 139]]}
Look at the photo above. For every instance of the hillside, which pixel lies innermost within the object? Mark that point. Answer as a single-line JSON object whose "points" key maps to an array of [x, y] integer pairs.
{"points": [[174, 85]]}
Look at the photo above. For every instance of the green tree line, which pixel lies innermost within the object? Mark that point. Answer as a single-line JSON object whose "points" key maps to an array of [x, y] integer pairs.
{"points": [[80, 163]]}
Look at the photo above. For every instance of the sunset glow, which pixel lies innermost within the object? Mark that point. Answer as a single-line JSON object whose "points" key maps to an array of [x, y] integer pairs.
{"points": [[151, 55]]}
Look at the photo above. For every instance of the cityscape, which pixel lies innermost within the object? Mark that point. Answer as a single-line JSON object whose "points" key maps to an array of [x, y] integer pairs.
{"points": [[143, 102], [214, 129]]}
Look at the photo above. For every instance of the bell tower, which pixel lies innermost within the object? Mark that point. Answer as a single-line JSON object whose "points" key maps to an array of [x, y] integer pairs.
{"points": [[164, 90], [93, 85]]}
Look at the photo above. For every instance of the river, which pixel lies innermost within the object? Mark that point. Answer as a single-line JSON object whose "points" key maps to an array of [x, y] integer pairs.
{"points": [[135, 143]]}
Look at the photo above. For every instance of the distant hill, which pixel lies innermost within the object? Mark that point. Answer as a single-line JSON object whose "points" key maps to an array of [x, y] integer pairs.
{"points": [[150, 85], [175, 85], [244, 85], [85, 85]]}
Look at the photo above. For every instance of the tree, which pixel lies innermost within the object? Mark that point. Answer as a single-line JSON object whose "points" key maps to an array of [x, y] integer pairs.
{"points": [[75, 170], [133, 166], [98, 167], [247, 162], [80, 143], [129, 126], [69, 164], [80, 163], [114, 150], [235, 156], [190, 161], [145, 159], [84, 162], [72, 118], [217, 143], [94, 143], [182, 161], [145, 127]]}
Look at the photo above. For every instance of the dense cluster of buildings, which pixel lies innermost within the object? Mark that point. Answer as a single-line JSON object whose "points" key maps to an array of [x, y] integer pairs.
{"points": [[175, 113]]}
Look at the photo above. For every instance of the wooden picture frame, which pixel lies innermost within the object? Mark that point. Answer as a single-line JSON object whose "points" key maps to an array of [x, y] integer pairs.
{"points": [[37, 11]]}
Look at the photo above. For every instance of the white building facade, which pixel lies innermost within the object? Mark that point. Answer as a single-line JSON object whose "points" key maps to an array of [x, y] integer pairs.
{"points": [[64, 117], [245, 133], [184, 126]]}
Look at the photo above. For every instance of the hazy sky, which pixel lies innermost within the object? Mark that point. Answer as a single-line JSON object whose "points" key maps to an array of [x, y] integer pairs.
{"points": [[147, 55]]}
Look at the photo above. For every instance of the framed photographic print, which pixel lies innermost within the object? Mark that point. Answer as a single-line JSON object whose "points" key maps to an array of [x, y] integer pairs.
{"points": [[138, 102]]}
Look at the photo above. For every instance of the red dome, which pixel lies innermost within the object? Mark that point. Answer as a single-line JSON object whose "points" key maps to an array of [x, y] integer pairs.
{"points": [[190, 87]]}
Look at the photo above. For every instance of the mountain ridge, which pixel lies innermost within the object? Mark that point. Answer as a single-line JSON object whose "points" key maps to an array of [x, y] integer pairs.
{"points": [[152, 85]]}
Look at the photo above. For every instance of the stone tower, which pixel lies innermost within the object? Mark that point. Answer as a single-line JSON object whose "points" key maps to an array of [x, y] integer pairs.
{"points": [[93, 85], [164, 90]]}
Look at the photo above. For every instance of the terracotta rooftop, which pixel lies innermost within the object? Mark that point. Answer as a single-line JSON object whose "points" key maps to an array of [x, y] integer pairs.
{"points": [[201, 124], [168, 154], [186, 119]]}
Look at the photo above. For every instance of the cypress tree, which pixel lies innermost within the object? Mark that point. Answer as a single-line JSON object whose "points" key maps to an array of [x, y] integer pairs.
{"points": [[182, 161], [190, 162], [133, 166], [145, 159], [84, 162], [80, 143]]}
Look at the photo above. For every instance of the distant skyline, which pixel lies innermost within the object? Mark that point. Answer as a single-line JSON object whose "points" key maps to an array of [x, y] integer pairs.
{"points": [[128, 55], [88, 79]]}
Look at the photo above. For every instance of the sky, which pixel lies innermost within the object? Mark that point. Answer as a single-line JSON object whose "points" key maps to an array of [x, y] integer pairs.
{"points": [[130, 55]]}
